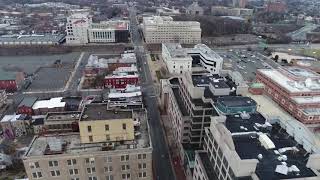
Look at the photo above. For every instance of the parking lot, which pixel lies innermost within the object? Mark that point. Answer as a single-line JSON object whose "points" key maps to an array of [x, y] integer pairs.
{"points": [[51, 78], [246, 62], [29, 64]]}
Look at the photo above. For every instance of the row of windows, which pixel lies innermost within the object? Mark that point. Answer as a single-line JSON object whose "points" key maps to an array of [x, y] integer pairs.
{"points": [[107, 127], [90, 161]]}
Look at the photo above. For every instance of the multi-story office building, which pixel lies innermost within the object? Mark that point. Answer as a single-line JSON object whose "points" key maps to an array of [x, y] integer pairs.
{"points": [[81, 30], [251, 147], [180, 60], [111, 145], [295, 89], [189, 103], [163, 29]]}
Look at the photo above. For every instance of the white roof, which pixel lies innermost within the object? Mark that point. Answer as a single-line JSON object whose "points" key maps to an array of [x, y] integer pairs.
{"points": [[125, 95], [10, 118], [51, 103], [266, 141], [306, 99], [121, 76], [289, 84]]}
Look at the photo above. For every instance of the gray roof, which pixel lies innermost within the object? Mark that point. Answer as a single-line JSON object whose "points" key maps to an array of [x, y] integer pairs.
{"points": [[100, 112], [28, 101], [4, 75], [32, 38]]}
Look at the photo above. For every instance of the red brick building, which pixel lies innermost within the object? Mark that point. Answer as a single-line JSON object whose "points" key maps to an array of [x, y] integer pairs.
{"points": [[277, 6], [120, 81], [295, 89], [10, 81], [25, 106]]}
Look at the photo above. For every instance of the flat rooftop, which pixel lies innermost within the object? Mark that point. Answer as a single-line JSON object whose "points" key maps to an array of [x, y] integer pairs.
{"points": [[245, 134], [94, 112], [176, 50], [33, 38], [236, 101], [203, 79], [306, 99], [63, 116], [305, 81], [116, 25], [71, 143], [167, 20]]}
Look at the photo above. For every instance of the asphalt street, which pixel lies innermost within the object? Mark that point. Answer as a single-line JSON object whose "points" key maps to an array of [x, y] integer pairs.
{"points": [[161, 161]]}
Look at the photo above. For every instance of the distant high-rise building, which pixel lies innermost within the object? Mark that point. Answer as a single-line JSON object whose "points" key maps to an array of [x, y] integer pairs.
{"points": [[163, 29], [81, 30]]}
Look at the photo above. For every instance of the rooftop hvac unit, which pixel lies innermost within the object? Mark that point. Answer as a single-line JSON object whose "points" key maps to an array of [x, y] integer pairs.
{"points": [[55, 144], [245, 115]]}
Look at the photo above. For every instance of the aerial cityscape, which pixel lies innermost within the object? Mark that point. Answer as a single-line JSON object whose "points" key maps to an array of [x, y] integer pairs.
{"points": [[160, 90]]}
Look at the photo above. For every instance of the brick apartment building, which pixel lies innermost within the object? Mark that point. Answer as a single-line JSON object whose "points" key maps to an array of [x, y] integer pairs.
{"points": [[120, 81], [295, 89]]}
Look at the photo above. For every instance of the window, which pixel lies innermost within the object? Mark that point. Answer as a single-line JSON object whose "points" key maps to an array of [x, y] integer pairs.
{"points": [[37, 175], [108, 169], [124, 126], [91, 170], [73, 171], [108, 159], [55, 173], [125, 176], [34, 165], [53, 163], [89, 160], [106, 127], [142, 156], [90, 138], [142, 174], [125, 158], [75, 179], [89, 129], [142, 165], [108, 137], [71, 161], [125, 167], [92, 178], [109, 177]]}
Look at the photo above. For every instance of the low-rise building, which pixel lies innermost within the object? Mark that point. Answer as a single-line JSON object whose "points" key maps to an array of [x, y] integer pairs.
{"points": [[180, 60], [253, 147], [32, 39], [120, 81], [25, 106], [10, 81], [42, 107], [62, 122], [116, 149], [130, 98], [15, 125], [295, 89], [163, 29]]}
